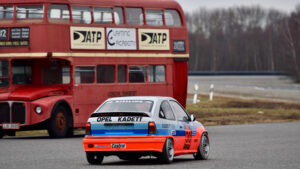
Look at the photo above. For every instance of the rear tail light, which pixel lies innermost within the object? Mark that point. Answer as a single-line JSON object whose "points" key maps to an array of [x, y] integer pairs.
{"points": [[88, 129], [152, 128]]}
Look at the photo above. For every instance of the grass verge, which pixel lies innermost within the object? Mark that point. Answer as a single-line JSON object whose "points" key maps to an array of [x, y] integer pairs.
{"points": [[227, 110]]}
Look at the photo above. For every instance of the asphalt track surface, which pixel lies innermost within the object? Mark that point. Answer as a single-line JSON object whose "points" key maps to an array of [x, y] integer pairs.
{"points": [[260, 146]]}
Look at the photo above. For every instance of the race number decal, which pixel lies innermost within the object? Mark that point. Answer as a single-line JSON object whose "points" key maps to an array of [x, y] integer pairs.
{"points": [[188, 138]]}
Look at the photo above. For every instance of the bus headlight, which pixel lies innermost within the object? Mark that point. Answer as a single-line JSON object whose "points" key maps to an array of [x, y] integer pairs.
{"points": [[38, 109]]}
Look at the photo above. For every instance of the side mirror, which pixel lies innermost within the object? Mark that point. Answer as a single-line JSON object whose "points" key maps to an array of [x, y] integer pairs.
{"points": [[193, 117]]}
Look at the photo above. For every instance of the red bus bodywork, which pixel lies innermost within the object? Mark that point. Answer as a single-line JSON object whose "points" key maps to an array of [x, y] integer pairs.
{"points": [[50, 44]]}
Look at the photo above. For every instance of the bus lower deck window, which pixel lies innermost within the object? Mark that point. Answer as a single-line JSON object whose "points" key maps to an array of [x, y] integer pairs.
{"points": [[81, 14], [134, 16], [58, 13], [22, 72], [154, 17], [137, 74], [4, 73], [122, 73], [84, 74], [30, 12], [156, 73], [172, 18], [105, 74]]}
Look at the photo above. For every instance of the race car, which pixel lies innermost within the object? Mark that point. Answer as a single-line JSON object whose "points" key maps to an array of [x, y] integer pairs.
{"points": [[133, 127]]}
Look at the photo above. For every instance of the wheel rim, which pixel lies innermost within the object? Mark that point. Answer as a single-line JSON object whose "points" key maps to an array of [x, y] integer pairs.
{"points": [[60, 121], [205, 145], [170, 150]]}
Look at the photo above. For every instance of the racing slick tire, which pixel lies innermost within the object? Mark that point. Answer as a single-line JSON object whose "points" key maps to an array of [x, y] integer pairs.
{"points": [[94, 158], [167, 155], [59, 123], [203, 149]]}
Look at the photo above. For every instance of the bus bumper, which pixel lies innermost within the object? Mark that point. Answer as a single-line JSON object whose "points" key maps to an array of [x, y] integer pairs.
{"points": [[145, 143]]}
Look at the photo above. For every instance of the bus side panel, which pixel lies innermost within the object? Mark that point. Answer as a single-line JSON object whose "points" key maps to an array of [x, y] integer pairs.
{"points": [[180, 76]]}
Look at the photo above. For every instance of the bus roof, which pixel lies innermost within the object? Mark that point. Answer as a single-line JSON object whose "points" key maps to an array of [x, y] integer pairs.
{"points": [[138, 3]]}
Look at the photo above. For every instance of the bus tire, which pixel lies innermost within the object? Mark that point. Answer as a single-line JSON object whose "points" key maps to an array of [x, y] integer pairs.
{"points": [[59, 123], [94, 158], [2, 134]]}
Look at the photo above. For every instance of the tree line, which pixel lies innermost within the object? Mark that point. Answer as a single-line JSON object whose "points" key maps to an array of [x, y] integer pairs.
{"points": [[244, 39]]}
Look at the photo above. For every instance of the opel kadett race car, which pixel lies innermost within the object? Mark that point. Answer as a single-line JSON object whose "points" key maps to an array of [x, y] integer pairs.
{"points": [[132, 127]]}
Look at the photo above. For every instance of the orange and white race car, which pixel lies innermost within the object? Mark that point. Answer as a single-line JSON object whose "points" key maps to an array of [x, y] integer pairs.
{"points": [[132, 127]]}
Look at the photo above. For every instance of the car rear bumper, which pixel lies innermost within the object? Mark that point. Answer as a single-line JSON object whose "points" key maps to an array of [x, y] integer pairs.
{"points": [[149, 143]]}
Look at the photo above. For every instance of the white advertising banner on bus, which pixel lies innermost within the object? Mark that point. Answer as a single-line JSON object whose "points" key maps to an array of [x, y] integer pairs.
{"points": [[87, 38], [154, 39], [121, 38]]}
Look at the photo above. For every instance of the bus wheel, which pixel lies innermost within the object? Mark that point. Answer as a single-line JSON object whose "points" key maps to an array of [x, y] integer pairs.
{"points": [[59, 123], [1, 133], [94, 157]]}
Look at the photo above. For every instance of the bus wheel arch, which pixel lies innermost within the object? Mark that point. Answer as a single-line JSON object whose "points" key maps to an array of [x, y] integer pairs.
{"points": [[61, 120]]}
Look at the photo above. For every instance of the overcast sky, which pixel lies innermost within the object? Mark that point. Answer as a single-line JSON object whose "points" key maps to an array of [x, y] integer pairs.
{"points": [[284, 5]]}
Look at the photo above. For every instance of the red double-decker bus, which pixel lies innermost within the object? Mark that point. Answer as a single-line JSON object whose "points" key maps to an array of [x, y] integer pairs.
{"points": [[60, 59]]}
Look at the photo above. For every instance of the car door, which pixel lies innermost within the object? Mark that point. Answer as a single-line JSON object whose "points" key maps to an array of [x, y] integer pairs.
{"points": [[168, 121], [186, 127]]}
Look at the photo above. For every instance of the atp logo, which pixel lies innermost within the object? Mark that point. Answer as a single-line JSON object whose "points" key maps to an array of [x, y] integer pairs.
{"points": [[87, 36], [154, 38]]}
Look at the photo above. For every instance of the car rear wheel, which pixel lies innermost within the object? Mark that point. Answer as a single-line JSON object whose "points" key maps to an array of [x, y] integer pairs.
{"points": [[167, 155], [94, 158], [59, 124], [203, 149]]}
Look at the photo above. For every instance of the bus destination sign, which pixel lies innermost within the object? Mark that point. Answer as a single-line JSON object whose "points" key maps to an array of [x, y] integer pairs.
{"points": [[3, 33], [19, 33], [14, 37]]}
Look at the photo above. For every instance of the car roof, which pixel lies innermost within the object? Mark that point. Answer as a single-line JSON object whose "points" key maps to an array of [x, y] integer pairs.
{"points": [[151, 98]]}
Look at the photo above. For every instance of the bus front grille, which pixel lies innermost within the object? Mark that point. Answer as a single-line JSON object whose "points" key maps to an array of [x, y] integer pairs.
{"points": [[4, 113], [18, 113], [12, 112]]}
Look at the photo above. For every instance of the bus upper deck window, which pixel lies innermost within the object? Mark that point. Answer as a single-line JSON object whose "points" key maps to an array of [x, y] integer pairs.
{"points": [[134, 16], [172, 18], [81, 14], [58, 13], [32, 12], [103, 15], [6, 14], [118, 16], [154, 17]]}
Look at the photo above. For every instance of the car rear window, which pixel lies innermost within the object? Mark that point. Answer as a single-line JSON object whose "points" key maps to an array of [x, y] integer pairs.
{"points": [[126, 106]]}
